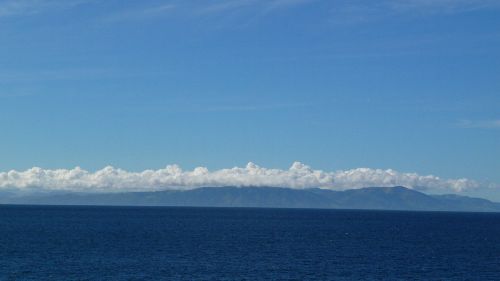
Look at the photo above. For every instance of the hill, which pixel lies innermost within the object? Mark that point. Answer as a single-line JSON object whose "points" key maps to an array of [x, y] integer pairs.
{"points": [[376, 198]]}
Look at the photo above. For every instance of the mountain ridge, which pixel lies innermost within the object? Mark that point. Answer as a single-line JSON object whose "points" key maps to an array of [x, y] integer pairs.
{"points": [[368, 198]]}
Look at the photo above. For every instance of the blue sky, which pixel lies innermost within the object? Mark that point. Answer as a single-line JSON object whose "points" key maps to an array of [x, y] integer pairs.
{"points": [[409, 85]]}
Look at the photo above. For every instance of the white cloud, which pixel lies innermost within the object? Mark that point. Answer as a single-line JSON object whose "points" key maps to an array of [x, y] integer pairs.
{"points": [[298, 176]]}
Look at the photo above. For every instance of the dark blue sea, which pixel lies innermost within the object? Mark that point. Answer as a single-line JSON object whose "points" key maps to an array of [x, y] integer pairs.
{"points": [[161, 243]]}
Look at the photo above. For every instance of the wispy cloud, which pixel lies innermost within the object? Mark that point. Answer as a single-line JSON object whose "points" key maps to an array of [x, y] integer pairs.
{"points": [[222, 6], [220, 107], [441, 6], [298, 176], [286, 3], [42, 75], [481, 124], [260, 107], [343, 11], [258, 5], [368, 11], [12, 8], [143, 13], [192, 10]]}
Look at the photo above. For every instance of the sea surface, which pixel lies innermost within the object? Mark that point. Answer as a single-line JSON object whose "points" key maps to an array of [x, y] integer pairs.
{"points": [[162, 243]]}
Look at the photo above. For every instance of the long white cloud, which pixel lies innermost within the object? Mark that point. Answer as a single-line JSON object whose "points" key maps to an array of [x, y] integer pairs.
{"points": [[299, 176]]}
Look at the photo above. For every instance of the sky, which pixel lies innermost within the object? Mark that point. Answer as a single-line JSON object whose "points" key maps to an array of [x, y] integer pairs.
{"points": [[399, 88]]}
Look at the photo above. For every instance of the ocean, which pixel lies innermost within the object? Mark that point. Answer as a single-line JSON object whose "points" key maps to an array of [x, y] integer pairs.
{"points": [[179, 243]]}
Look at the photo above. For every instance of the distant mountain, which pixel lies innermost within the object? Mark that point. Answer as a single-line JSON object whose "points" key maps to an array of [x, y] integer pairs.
{"points": [[376, 198]]}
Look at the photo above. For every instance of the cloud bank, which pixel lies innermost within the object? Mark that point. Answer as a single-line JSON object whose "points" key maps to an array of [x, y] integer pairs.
{"points": [[172, 177]]}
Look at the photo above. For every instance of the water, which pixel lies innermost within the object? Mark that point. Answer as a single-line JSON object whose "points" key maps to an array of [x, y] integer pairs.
{"points": [[135, 243]]}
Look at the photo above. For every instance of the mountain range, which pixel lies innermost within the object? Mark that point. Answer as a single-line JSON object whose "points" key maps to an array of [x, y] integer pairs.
{"points": [[376, 198]]}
